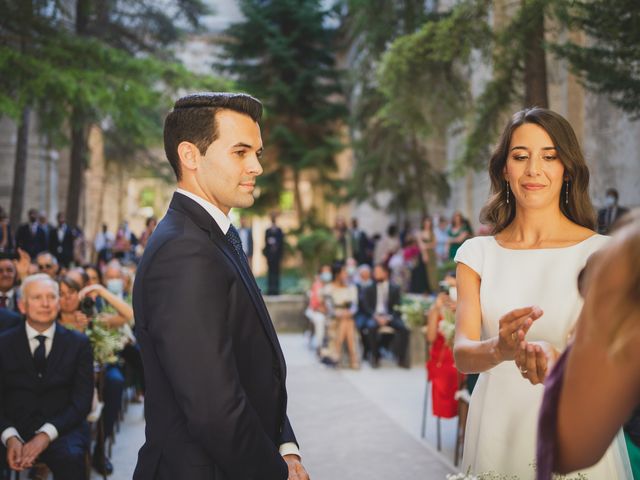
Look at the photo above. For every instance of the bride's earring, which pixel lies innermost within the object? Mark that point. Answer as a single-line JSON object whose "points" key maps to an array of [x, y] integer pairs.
{"points": [[566, 198], [507, 192]]}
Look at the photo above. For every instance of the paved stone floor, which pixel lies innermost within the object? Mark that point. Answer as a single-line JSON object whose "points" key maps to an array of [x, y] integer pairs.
{"points": [[351, 425]]}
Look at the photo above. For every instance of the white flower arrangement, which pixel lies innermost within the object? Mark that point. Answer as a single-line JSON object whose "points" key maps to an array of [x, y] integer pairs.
{"points": [[496, 476], [413, 311], [447, 326]]}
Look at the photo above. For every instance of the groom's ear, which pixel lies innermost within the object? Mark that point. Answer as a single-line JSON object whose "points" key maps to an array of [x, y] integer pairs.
{"points": [[189, 156]]}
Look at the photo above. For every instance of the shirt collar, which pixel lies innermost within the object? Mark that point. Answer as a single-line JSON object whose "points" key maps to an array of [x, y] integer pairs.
{"points": [[221, 219], [9, 293], [33, 333]]}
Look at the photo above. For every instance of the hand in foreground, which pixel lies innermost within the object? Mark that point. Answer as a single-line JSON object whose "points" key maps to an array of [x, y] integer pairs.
{"points": [[14, 454], [33, 448], [535, 360], [296, 470], [513, 328], [22, 264], [92, 290], [80, 321]]}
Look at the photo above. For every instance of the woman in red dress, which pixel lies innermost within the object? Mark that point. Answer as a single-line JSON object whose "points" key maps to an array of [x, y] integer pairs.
{"points": [[441, 369]]}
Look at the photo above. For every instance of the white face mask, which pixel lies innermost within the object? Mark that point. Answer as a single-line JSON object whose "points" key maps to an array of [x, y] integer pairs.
{"points": [[453, 293], [116, 286], [609, 201], [325, 277]]}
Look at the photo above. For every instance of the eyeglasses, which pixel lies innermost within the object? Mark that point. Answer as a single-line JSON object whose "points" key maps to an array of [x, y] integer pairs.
{"points": [[45, 266], [7, 270]]}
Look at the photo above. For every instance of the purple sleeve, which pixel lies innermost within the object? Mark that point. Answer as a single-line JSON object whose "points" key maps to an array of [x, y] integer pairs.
{"points": [[548, 419]]}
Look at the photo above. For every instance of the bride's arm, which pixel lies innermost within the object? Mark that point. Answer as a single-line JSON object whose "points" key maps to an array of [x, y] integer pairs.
{"points": [[473, 355]]}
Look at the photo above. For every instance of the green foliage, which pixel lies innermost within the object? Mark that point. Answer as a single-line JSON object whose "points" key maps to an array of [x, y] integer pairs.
{"points": [[317, 247], [509, 51], [610, 63], [283, 54]]}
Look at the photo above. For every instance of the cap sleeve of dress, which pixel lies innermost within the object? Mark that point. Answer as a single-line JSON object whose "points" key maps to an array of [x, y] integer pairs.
{"points": [[471, 253]]}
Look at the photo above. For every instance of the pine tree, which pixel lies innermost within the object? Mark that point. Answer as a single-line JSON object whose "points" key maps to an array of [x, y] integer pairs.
{"points": [[610, 63], [283, 54]]}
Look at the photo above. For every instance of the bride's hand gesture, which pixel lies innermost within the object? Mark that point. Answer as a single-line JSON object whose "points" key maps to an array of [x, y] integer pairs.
{"points": [[512, 329], [535, 359]]}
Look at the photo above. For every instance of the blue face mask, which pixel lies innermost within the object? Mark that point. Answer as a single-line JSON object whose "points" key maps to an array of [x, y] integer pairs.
{"points": [[609, 201], [116, 286], [325, 277]]}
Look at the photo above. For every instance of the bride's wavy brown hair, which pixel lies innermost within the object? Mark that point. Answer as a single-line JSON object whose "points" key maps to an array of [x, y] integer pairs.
{"points": [[498, 213]]}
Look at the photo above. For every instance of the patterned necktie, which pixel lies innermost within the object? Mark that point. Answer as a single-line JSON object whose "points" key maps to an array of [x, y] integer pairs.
{"points": [[39, 358], [4, 301], [234, 239]]}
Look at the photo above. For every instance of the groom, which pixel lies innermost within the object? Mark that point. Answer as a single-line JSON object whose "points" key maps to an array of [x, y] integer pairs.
{"points": [[216, 399]]}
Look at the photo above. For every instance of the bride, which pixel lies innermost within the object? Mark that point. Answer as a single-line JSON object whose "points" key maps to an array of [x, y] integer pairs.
{"points": [[521, 284]]}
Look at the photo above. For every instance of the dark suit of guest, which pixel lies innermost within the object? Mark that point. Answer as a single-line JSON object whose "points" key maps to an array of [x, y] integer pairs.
{"points": [[273, 249], [607, 217], [9, 319], [31, 238], [369, 307], [61, 396], [216, 401], [61, 240]]}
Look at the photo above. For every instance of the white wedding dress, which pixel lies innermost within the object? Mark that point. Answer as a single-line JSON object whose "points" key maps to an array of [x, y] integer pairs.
{"points": [[503, 414]]}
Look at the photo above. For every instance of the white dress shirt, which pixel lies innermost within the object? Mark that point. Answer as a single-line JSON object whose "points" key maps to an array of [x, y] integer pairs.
{"points": [[382, 297], [32, 333], [224, 223]]}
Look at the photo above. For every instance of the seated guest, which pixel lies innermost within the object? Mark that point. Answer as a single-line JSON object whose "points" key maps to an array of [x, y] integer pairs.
{"points": [[579, 423], [78, 316], [48, 264], [379, 302], [46, 373], [363, 280], [343, 302], [8, 282], [316, 312], [441, 368]]}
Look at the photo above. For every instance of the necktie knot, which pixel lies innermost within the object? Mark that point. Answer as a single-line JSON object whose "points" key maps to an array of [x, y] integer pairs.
{"points": [[41, 339]]}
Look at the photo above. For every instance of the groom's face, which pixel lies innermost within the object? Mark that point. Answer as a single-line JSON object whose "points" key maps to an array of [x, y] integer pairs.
{"points": [[227, 172]]}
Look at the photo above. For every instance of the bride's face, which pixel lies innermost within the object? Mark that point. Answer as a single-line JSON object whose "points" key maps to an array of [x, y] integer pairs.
{"points": [[533, 169]]}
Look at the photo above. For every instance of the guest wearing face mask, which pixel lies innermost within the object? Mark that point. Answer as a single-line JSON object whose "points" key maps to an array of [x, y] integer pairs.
{"points": [[363, 281], [611, 212], [316, 312]]}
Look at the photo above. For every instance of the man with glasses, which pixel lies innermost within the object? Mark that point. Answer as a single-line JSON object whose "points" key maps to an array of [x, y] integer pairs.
{"points": [[46, 372], [48, 264]]}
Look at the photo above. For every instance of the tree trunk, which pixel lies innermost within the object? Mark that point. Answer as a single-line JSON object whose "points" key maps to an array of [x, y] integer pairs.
{"points": [[535, 65], [20, 168], [78, 152], [297, 197], [78, 135]]}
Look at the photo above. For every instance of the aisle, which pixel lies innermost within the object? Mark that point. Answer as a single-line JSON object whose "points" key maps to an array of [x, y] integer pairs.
{"points": [[351, 425]]}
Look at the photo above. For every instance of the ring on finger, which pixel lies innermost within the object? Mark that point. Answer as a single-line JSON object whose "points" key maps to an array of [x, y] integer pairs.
{"points": [[523, 371], [513, 336]]}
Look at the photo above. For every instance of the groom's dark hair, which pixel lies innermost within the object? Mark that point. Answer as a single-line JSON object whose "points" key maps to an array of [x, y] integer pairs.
{"points": [[193, 119]]}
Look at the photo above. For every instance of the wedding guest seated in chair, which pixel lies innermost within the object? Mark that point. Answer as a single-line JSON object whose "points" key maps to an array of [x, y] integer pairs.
{"points": [[46, 378], [379, 302]]}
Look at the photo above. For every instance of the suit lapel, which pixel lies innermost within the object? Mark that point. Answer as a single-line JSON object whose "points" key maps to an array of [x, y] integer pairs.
{"points": [[23, 351], [57, 348], [202, 218], [254, 292]]}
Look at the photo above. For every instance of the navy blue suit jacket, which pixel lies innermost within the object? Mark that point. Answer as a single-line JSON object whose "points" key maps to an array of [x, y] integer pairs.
{"points": [[9, 319], [62, 396], [215, 401]]}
